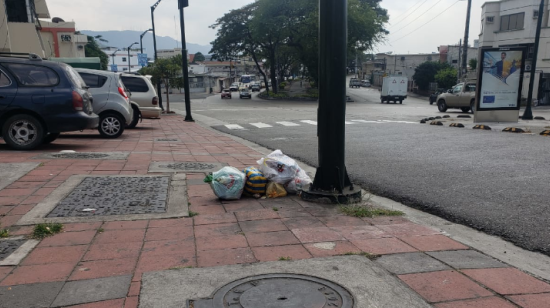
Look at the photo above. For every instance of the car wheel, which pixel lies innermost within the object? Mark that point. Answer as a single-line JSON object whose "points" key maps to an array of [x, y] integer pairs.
{"points": [[110, 125], [401, 101], [441, 106], [431, 102], [465, 109], [135, 118], [473, 107], [23, 132], [49, 138]]}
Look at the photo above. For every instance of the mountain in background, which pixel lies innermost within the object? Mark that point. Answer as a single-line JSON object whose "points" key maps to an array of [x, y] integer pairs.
{"points": [[123, 39]]}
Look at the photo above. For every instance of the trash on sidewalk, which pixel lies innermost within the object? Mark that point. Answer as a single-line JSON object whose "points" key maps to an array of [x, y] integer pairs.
{"points": [[300, 180], [255, 182], [227, 183], [275, 190], [281, 169]]}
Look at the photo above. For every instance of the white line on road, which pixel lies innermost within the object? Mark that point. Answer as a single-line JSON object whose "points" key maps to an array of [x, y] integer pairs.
{"points": [[309, 122], [348, 123], [234, 126], [261, 125], [284, 123], [365, 121]]}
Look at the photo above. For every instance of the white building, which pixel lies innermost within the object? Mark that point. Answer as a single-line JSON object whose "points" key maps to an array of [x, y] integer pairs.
{"points": [[119, 57], [512, 23], [452, 54]]}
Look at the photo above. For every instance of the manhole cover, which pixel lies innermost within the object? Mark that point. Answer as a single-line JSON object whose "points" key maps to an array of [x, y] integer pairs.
{"points": [[279, 290], [188, 166], [185, 167], [84, 155], [100, 196], [7, 247], [80, 155]]}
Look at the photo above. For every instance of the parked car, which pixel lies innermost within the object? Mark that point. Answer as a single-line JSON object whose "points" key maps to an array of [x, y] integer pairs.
{"points": [[462, 96], [354, 83], [226, 93], [365, 83], [255, 87], [111, 102], [245, 93], [39, 100], [144, 99], [434, 95]]}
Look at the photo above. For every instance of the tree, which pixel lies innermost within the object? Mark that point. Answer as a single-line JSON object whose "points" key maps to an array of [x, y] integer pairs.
{"points": [[425, 73], [199, 57], [472, 64], [167, 71], [92, 50], [446, 78]]}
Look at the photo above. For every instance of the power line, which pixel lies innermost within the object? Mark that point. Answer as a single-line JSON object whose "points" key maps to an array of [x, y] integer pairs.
{"points": [[418, 16], [426, 22], [407, 10], [410, 13]]}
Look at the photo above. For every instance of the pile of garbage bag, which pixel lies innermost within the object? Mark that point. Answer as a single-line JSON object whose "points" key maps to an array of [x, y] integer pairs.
{"points": [[277, 176]]}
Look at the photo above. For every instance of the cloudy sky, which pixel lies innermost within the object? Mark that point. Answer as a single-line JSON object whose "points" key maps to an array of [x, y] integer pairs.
{"points": [[416, 26]]}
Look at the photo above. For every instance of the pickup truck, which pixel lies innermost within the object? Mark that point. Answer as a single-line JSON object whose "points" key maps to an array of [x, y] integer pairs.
{"points": [[354, 83], [462, 96]]}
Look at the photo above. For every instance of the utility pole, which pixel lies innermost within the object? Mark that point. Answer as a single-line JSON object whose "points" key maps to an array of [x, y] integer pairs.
{"points": [[188, 118], [528, 113], [155, 47], [459, 61], [466, 33], [331, 179]]}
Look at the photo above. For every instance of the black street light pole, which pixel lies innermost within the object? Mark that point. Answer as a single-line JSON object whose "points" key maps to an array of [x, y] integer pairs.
{"points": [[141, 39], [188, 118], [465, 46], [331, 179], [129, 67], [528, 113], [155, 47]]}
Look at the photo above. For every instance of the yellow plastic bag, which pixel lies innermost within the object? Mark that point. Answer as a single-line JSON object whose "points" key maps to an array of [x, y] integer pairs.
{"points": [[275, 190]]}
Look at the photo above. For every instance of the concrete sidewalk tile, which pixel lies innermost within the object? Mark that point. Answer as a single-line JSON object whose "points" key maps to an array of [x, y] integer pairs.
{"points": [[49, 255], [221, 242], [432, 242], [113, 251], [541, 300], [317, 235], [169, 233], [125, 225], [103, 268], [207, 209], [16, 192], [486, 302], [215, 219], [444, 286], [38, 273], [225, 257], [466, 259], [408, 229], [278, 238], [328, 249], [243, 207], [293, 213], [93, 290], [361, 232], [5, 271], [113, 303], [173, 222], [22, 209], [11, 200], [381, 246], [30, 295], [135, 287], [4, 209], [284, 205], [303, 222], [69, 239], [257, 226], [168, 247], [342, 221], [217, 230], [120, 236], [204, 201], [10, 220], [160, 263], [131, 302], [82, 226], [275, 253], [409, 263], [320, 212], [508, 281], [21, 230]]}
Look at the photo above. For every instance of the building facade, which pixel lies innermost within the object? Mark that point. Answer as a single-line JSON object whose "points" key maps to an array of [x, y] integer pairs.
{"points": [[452, 54], [119, 60], [60, 39]]}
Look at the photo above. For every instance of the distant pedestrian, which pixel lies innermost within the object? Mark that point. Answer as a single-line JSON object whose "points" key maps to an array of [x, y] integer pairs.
{"points": [[300, 83]]}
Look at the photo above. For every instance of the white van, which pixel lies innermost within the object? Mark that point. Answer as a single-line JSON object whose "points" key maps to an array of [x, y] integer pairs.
{"points": [[143, 93], [394, 88]]}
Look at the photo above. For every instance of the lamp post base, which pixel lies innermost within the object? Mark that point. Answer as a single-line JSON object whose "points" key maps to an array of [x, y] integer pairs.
{"points": [[350, 194]]}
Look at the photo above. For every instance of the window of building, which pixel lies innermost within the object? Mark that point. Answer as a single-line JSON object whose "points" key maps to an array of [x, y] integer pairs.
{"points": [[17, 11], [135, 84], [4, 80], [93, 81], [490, 19], [123, 59], [535, 14], [33, 75], [512, 22]]}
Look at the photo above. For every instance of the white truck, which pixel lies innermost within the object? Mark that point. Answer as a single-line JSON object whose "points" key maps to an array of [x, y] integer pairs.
{"points": [[394, 88]]}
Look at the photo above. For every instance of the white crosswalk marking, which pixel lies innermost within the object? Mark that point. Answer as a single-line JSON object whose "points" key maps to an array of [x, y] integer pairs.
{"points": [[261, 125], [407, 122], [365, 121], [234, 126], [284, 123], [309, 122], [348, 123]]}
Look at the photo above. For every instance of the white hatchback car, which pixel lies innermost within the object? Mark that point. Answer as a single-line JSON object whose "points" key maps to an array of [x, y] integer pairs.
{"points": [[142, 92]]}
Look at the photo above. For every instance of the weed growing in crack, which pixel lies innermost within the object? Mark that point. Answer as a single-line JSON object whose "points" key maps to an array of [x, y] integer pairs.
{"points": [[285, 258], [4, 233], [44, 230], [193, 214]]}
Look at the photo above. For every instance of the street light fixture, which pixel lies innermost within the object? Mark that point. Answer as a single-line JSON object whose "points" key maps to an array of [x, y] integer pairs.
{"points": [[129, 67], [141, 39]]}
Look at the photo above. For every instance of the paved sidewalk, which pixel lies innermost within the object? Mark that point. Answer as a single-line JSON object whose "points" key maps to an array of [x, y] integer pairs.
{"points": [[100, 264]]}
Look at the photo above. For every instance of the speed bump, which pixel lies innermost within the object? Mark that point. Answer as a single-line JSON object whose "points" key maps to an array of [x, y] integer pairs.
{"points": [[438, 117], [436, 123], [513, 130], [456, 125], [446, 116], [484, 127], [422, 121], [539, 118], [464, 116], [545, 133]]}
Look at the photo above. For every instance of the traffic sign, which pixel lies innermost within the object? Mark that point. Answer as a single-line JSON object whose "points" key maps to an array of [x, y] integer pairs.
{"points": [[142, 59], [114, 68]]}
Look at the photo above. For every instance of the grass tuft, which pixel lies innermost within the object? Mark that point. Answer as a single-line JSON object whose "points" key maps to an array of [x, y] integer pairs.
{"points": [[4, 233], [193, 214], [368, 211], [364, 254], [44, 230], [275, 209], [285, 258]]}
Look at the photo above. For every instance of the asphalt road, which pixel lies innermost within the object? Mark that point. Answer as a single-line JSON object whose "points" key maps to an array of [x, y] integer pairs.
{"points": [[492, 181]]}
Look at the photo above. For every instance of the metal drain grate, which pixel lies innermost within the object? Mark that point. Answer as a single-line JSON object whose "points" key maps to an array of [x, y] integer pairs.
{"points": [[7, 247], [185, 167]]}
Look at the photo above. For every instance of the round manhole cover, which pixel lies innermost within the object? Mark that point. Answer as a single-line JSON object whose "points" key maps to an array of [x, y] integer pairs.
{"points": [[80, 155], [189, 166], [282, 290]]}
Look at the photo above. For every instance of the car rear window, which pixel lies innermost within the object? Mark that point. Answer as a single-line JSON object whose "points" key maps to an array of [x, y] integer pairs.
{"points": [[135, 84], [33, 75], [4, 80], [75, 77], [93, 80]]}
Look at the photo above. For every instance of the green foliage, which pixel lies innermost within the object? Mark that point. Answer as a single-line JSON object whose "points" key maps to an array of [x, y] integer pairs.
{"points": [[425, 73], [285, 258], [199, 57], [282, 85], [446, 78], [193, 214], [4, 232], [472, 64], [167, 71], [367, 211], [92, 50], [44, 230]]}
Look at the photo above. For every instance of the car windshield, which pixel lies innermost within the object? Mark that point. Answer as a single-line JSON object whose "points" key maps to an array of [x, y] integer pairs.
{"points": [[75, 77]]}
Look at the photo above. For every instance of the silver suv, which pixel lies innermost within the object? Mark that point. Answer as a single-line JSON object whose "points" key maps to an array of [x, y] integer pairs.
{"points": [[143, 94], [110, 101]]}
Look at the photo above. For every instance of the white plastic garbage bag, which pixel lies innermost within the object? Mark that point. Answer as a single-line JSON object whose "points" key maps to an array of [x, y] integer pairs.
{"points": [[278, 167], [298, 182], [228, 183]]}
